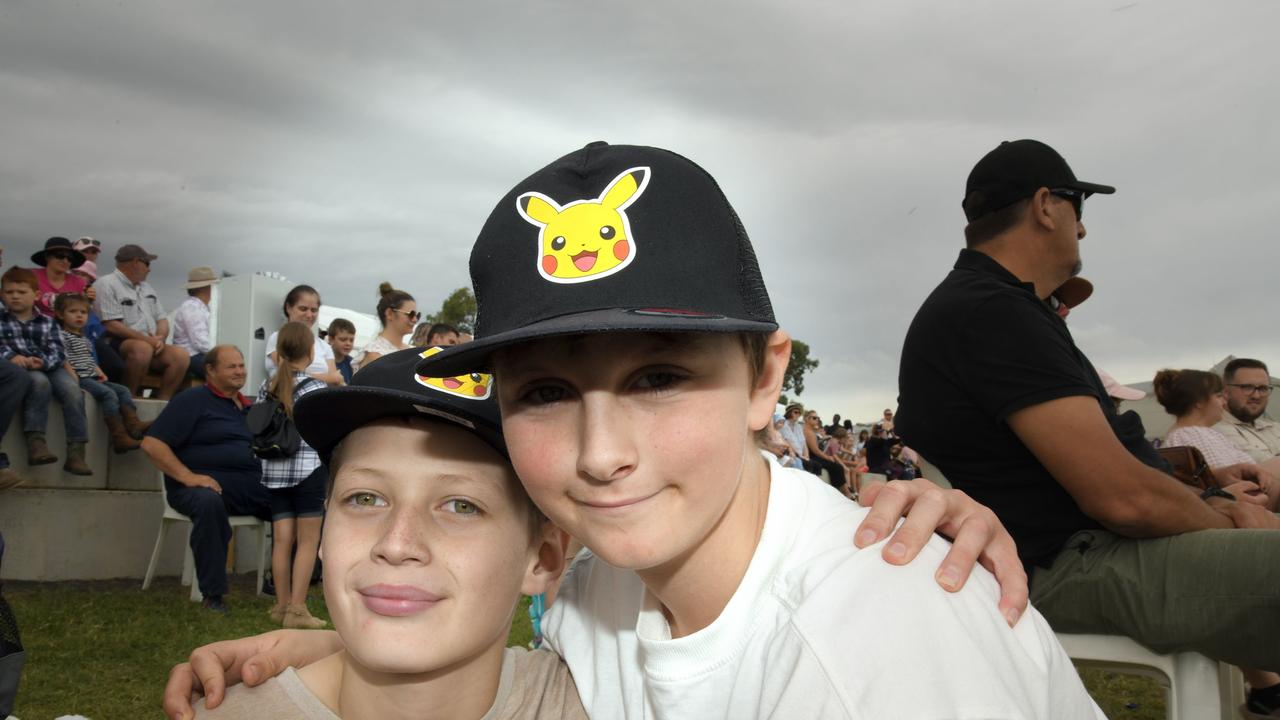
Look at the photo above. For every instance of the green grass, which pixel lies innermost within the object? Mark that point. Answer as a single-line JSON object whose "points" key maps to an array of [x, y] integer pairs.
{"points": [[104, 649]]}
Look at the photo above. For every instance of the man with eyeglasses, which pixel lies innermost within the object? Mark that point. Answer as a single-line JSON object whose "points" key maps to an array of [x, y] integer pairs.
{"points": [[136, 325], [1248, 390], [995, 393]]}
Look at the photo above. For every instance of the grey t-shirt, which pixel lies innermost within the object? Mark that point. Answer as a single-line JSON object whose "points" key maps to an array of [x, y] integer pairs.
{"points": [[534, 685]]}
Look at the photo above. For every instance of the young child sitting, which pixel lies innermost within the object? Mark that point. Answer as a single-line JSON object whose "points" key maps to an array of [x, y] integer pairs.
{"points": [[428, 543], [296, 484], [31, 341], [342, 338], [118, 410]]}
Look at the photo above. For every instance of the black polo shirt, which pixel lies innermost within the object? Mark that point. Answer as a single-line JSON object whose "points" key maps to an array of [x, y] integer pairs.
{"points": [[208, 433], [982, 347]]}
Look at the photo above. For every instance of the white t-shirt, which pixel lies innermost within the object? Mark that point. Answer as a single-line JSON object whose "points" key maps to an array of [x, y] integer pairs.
{"points": [[321, 353], [816, 629]]}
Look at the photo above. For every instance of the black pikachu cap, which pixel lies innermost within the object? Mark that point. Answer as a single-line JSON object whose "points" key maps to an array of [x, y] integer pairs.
{"points": [[391, 387], [610, 238]]}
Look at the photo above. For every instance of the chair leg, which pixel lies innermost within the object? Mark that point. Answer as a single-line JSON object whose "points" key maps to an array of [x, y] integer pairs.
{"points": [[189, 570], [262, 554], [155, 555]]}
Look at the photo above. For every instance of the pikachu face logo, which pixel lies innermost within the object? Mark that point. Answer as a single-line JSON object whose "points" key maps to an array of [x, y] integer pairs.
{"points": [[473, 386], [585, 240]]}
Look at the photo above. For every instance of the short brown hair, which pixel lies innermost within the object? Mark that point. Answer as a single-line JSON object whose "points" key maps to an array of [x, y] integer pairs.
{"points": [[340, 325], [19, 275], [1229, 372], [63, 302]]}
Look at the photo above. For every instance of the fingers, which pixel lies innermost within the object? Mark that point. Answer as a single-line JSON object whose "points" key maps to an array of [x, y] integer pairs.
{"points": [[178, 693], [924, 517], [262, 667], [211, 671], [887, 505]]}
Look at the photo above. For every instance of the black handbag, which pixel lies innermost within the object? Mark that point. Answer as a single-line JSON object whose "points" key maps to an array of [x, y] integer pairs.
{"points": [[274, 435]]}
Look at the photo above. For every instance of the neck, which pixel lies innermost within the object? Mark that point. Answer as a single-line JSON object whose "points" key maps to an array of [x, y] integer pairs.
{"points": [[695, 588], [1014, 255], [393, 336], [24, 315], [73, 330], [55, 277], [1195, 418], [355, 692]]}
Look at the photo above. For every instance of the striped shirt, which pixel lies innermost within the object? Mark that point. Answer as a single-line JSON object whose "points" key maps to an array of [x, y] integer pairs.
{"points": [[79, 354], [287, 472]]}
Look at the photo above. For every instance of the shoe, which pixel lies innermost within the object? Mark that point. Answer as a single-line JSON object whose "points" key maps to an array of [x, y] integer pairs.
{"points": [[268, 585], [75, 463], [297, 616], [1255, 708], [38, 452], [215, 604], [277, 613], [135, 427], [121, 441], [9, 478]]}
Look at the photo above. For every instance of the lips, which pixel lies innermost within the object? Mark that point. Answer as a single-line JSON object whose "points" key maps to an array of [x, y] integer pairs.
{"points": [[584, 260], [397, 600], [618, 505]]}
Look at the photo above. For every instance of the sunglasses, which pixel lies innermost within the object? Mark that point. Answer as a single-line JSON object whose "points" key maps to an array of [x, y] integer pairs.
{"points": [[58, 255], [411, 314], [94, 244], [1075, 196]]}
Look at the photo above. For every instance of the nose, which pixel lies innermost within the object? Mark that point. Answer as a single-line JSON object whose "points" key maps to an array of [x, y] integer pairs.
{"points": [[405, 537], [606, 448], [1080, 231]]}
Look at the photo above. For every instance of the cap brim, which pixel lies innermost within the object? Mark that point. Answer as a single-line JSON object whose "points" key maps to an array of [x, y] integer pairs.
{"points": [[476, 355], [1074, 291], [199, 284], [325, 417], [1092, 188]]}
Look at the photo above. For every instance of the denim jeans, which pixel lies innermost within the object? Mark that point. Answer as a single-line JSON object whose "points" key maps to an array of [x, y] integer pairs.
{"points": [[111, 396], [55, 383], [14, 385]]}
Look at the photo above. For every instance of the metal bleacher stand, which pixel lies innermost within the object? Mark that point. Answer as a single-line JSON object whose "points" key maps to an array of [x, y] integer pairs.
{"points": [[1195, 686]]}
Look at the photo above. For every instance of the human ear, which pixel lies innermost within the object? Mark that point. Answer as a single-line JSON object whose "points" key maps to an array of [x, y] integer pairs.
{"points": [[1042, 209], [547, 561], [768, 385]]}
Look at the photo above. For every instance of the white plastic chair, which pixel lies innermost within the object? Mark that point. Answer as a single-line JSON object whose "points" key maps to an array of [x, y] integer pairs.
{"points": [[1195, 686], [189, 562]]}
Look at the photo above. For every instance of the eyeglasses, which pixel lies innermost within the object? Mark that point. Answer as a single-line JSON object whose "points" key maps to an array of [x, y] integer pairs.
{"points": [[1247, 389], [411, 314], [1075, 196], [58, 255], [145, 262]]}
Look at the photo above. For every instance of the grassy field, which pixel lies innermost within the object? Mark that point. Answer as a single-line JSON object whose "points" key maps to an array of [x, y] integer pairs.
{"points": [[103, 649]]}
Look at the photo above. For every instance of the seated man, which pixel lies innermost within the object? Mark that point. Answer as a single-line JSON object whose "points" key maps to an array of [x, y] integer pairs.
{"points": [[191, 321], [201, 444], [1248, 390], [994, 391], [136, 325]]}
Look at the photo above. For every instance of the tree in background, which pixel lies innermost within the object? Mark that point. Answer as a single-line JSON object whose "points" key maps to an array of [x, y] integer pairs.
{"points": [[459, 310], [800, 364]]}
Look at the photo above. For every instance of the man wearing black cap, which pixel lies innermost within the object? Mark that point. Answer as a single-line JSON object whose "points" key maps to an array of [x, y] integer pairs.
{"points": [[136, 324], [994, 391]]}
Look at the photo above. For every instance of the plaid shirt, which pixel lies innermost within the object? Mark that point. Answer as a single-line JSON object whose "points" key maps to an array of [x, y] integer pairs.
{"points": [[37, 337], [287, 472]]}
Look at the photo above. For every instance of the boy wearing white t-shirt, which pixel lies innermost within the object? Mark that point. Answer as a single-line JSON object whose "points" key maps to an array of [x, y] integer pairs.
{"points": [[636, 355]]}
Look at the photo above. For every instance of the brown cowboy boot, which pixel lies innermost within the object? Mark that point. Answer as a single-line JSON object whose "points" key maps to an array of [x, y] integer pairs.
{"points": [[121, 440], [135, 427], [75, 463], [38, 452]]}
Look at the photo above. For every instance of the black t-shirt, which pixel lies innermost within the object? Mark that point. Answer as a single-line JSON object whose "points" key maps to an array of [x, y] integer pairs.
{"points": [[878, 451], [209, 435], [982, 347]]}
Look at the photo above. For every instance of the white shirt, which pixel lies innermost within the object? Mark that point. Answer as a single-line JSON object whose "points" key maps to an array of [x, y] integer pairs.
{"points": [[191, 326], [816, 629], [793, 433], [321, 353]]}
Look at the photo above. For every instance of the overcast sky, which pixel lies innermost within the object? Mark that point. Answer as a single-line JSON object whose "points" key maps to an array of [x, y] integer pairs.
{"points": [[342, 144]]}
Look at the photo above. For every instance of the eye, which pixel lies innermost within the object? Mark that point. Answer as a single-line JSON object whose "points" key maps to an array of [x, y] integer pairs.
{"points": [[475, 377], [544, 395], [366, 499], [558, 243], [658, 380], [607, 232], [462, 507]]}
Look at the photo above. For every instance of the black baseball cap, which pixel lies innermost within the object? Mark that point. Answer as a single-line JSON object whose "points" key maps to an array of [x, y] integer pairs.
{"points": [[391, 387], [1016, 170], [610, 238]]}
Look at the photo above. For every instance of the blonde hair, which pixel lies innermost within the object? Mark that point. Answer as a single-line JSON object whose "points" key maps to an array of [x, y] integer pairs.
{"points": [[294, 344]]}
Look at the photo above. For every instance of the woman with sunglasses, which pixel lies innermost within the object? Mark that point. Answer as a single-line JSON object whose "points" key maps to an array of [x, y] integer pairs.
{"points": [[54, 274], [398, 313], [302, 305]]}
